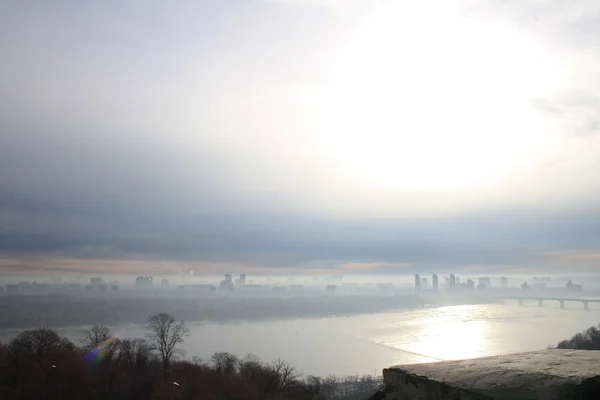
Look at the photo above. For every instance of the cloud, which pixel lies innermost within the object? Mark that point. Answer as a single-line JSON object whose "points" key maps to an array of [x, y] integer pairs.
{"points": [[335, 4], [77, 266], [569, 24], [580, 109], [212, 134]]}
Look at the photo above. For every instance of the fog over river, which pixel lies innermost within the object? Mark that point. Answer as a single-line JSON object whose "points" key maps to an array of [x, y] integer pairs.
{"points": [[365, 344]]}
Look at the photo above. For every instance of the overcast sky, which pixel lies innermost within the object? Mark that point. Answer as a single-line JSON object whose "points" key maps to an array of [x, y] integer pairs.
{"points": [[300, 136]]}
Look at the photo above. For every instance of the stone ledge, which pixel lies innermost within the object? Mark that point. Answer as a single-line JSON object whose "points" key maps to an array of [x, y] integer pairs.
{"points": [[547, 374]]}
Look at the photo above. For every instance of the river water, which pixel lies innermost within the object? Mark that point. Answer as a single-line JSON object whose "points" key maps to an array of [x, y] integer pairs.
{"points": [[364, 344]]}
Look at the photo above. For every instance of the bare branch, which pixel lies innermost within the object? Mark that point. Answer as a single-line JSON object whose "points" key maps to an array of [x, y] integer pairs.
{"points": [[164, 333]]}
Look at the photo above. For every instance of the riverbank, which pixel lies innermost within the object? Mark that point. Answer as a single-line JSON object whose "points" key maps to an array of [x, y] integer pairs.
{"points": [[66, 310]]}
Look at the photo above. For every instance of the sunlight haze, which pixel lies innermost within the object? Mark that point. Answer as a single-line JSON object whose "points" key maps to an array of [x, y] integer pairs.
{"points": [[217, 117]]}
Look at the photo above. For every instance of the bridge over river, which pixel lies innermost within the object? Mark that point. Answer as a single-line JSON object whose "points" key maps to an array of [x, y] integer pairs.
{"points": [[540, 299]]}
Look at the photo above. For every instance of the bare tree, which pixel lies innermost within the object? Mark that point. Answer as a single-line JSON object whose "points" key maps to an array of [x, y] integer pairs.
{"points": [[250, 368], [287, 375], [330, 387], [225, 363], [105, 368], [277, 376], [586, 340], [41, 346], [95, 336], [164, 333], [313, 387], [137, 353], [137, 358]]}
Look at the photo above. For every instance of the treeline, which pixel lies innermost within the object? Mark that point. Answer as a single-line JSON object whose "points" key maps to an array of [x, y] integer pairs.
{"points": [[24, 311], [40, 364], [586, 340]]}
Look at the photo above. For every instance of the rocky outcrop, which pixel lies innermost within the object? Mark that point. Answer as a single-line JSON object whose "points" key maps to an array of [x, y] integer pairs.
{"points": [[541, 375]]}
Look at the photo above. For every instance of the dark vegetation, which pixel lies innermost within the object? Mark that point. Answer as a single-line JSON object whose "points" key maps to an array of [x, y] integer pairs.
{"points": [[65, 310], [586, 340], [55, 310], [39, 364]]}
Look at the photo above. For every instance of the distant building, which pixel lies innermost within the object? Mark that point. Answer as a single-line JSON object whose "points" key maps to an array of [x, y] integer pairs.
{"points": [[424, 283], [12, 288], [203, 288], [95, 282], [570, 287], [144, 282], [485, 282], [457, 281], [330, 289], [23, 286], [164, 283], [434, 282], [452, 281], [39, 287], [470, 284], [253, 286], [525, 286], [504, 282], [241, 281], [417, 282], [226, 284]]}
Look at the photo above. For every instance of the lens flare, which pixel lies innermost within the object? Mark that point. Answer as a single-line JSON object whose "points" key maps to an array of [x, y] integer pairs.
{"points": [[99, 352]]}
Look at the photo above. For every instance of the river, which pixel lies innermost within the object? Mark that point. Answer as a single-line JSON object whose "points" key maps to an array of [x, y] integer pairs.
{"points": [[364, 344]]}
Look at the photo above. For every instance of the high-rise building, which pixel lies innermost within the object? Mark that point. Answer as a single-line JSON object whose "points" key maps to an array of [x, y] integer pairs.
{"points": [[485, 282], [452, 280], [226, 284], [470, 284], [201, 288], [417, 282], [144, 281], [434, 282], [95, 282], [241, 281], [504, 282]]}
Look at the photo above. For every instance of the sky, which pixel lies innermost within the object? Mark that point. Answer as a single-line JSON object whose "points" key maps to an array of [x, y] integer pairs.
{"points": [[300, 136]]}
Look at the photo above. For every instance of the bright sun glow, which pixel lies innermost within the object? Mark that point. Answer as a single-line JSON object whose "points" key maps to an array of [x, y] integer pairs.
{"points": [[448, 333], [429, 99]]}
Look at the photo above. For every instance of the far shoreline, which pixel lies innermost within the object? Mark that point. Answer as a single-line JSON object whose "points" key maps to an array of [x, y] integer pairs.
{"points": [[60, 312]]}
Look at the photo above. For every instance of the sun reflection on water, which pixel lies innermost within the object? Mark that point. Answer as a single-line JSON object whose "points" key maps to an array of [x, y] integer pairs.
{"points": [[448, 333]]}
